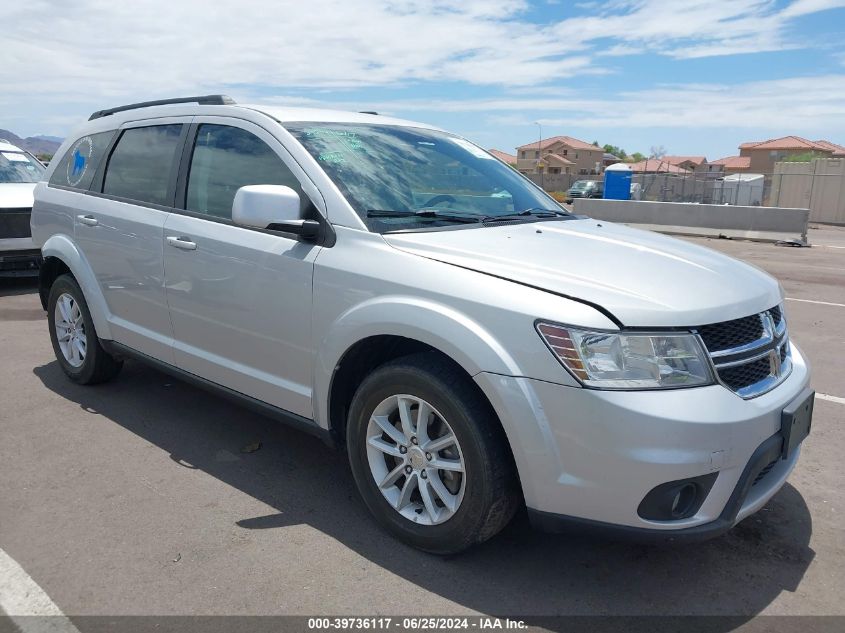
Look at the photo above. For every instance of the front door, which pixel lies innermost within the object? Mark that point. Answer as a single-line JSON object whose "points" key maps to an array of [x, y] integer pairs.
{"points": [[240, 299]]}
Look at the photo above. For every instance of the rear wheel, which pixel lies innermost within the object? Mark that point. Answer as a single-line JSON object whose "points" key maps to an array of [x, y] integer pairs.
{"points": [[428, 455], [75, 342]]}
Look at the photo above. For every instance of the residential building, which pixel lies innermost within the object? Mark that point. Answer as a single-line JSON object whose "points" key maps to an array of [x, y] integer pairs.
{"points": [[695, 164], [560, 155], [764, 154], [609, 159], [732, 165], [508, 159], [657, 166]]}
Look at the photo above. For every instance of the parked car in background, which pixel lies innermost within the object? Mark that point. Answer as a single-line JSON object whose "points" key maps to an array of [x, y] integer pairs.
{"points": [[585, 189], [401, 293], [19, 171]]}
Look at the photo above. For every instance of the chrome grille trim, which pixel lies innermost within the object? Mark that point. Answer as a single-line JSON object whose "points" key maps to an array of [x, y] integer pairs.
{"points": [[728, 362]]}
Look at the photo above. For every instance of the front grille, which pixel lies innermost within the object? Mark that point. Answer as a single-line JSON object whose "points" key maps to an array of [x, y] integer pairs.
{"points": [[14, 223], [751, 354], [746, 374], [729, 334]]}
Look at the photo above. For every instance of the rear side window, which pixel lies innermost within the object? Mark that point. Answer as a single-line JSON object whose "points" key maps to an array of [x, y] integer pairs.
{"points": [[225, 159], [142, 163], [77, 167]]}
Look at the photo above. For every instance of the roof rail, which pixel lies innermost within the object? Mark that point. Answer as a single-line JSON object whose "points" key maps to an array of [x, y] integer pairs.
{"points": [[367, 112], [203, 100]]}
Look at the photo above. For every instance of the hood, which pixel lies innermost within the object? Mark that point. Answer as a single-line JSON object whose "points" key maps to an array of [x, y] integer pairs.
{"points": [[16, 195], [643, 278]]}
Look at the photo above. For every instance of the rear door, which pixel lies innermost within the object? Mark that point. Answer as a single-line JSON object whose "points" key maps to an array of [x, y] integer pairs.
{"points": [[240, 299], [120, 231]]}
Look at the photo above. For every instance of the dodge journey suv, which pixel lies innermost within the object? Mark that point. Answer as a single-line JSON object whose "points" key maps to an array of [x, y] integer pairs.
{"points": [[399, 292]]}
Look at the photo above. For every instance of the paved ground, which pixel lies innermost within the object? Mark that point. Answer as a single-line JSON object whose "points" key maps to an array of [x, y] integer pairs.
{"points": [[135, 498]]}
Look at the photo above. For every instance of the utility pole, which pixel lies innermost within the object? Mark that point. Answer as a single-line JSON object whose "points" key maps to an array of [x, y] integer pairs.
{"points": [[540, 153]]}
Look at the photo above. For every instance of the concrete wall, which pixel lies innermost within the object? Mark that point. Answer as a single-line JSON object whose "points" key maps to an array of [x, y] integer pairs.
{"points": [[761, 223], [818, 185]]}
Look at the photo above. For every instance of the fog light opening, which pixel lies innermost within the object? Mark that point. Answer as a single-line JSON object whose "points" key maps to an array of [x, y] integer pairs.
{"points": [[676, 500], [683, 500]]}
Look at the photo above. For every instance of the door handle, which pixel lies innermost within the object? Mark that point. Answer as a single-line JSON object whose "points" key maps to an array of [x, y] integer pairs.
{"points": [[87, 220], [183, 242]]}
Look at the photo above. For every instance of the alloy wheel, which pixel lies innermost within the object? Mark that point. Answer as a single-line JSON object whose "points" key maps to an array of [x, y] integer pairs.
{"points": [[415, 459], [70, 330]]}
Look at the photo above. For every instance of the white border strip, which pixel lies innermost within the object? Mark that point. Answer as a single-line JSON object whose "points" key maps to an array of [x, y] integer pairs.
{"points": [[836, 399], [824, 303], [21, 598]]}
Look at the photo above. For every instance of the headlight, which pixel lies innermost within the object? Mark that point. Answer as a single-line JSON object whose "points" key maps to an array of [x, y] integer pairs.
{"points": [[608, 360]]}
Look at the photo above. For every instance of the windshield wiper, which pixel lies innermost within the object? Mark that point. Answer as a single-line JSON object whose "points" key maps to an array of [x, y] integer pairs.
{"points": [[536, 212], [449, 216]]}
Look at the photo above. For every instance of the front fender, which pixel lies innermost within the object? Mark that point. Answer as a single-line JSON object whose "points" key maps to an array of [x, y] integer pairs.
{"points": [[463, 339], [62, 247]]}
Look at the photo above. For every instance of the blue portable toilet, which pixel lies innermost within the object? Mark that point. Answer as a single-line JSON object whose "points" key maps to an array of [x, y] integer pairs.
{"points": [[617, 182]]}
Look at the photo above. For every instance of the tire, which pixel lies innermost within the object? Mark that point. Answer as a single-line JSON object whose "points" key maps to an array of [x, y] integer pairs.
{"points": [[87, 363], [479, 501]]}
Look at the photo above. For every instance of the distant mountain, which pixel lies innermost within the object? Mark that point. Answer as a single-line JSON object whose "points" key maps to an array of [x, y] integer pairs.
{"points": [[34, 144]]}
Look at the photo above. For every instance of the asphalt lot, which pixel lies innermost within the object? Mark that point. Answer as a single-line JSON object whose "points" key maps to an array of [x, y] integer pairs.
{"points": [[135, 498]]}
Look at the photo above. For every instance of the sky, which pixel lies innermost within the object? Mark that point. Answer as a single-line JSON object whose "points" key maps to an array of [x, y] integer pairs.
{"points": [[696, 77]]}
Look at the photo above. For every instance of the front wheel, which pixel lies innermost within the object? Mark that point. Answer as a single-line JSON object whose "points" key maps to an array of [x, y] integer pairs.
{"points": [[74, 339], [428, 455]]}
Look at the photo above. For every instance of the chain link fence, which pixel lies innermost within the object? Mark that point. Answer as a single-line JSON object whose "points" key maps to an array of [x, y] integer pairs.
{"points": [[817, 185]]}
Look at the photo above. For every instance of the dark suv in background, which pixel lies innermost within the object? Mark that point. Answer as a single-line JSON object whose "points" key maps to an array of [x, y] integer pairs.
{"points": [[585, 189]]}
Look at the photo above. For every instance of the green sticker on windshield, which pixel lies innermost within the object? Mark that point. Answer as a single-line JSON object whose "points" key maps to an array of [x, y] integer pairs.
{"points": [[331, 157], [335, 145]]}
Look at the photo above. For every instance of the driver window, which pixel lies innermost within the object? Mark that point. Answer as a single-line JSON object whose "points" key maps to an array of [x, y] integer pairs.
{"points": [[225, 159]]}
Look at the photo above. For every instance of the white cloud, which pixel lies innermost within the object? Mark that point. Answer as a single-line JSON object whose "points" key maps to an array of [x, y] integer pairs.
{"points": [[795, 105], [87, 54], [162, 43]]}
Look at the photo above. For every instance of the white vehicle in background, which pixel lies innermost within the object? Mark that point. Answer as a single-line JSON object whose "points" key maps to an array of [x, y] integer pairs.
{"points": [[19, 171]]}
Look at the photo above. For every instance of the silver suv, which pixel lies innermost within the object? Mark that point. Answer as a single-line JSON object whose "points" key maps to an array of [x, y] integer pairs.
{"points": [[399, 292]]}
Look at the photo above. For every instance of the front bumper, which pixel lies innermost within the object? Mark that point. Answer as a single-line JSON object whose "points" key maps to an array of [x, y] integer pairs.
{"points": [[589, 457]]}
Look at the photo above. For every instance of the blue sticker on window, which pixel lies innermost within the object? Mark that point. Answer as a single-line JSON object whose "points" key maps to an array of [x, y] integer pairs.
{"points": [[80, 158]]}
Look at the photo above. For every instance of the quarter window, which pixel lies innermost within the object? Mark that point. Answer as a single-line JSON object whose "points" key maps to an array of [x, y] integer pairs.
{"points": [[225, 159], [77, 167], [142, 163]]}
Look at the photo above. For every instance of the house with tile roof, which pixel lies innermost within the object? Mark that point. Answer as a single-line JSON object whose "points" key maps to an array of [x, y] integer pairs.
{"points": [[732, 164], [560, 155], [763, 155], [657, 166], [695, 164]]}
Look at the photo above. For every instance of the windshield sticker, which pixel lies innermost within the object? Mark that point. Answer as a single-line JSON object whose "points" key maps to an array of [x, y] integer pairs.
{"points": [[472, 149], [15, 157], [80, 157], [348, 139], [331, 157]]}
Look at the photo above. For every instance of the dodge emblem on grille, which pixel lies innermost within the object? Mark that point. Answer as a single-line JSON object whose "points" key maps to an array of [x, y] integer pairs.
{"points": [[774, 363], [768, 324]]}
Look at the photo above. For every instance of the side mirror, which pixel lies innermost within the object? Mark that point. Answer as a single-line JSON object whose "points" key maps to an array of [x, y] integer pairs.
{"points": [[273, 207]]}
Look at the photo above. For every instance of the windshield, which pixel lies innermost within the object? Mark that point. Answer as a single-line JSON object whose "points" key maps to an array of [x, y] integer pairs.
{"points": [[399, 178], [583, 184], [19, 167]]}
